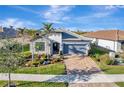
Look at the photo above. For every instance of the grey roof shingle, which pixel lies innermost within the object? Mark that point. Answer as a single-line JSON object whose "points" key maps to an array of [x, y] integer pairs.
{"points": [[8, 32]]}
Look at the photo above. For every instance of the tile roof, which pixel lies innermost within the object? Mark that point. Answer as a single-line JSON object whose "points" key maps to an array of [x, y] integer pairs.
{"points": [[107, 34]]}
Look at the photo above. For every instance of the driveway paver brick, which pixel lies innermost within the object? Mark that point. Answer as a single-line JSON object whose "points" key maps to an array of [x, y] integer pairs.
{"points": [[79, 65]]}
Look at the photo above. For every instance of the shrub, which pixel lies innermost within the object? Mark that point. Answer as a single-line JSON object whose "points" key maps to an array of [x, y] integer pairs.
{"points": [[28, 64], [110, 62], [35, 63], [26, 47], [27, 54], [58, 59], [55, 60], [97, 56], [116, 56], [36, 56], [122, 55], [106, 59], [61, 55], [97, 50], [44, 56], [41, 61]]}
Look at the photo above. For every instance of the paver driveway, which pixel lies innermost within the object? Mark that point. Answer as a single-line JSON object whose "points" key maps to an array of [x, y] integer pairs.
{"points": [[80, 66]]}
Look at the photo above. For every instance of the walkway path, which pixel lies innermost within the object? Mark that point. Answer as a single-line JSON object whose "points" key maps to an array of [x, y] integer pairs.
{"points": [[80, 66]]}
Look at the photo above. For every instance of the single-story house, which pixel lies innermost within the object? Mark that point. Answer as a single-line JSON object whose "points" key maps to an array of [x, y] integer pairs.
{"points": [[63, 41], [8, 32], [112, 40]]}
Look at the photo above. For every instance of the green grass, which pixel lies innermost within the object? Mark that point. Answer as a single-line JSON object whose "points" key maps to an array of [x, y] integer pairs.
{"points": [[121, 84], [57, 68], [35, 84], [109, 69], [104, 60]]}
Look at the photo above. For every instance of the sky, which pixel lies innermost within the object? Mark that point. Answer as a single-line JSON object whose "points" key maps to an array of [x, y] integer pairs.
{"points": [[84, 17]]}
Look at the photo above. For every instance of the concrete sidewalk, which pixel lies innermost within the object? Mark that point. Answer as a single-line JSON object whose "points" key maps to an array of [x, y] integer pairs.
{"points": [[94, 78]]}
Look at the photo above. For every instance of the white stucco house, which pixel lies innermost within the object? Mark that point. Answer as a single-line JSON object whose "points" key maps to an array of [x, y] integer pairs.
{"points": [[112, 40], [58, 41]]}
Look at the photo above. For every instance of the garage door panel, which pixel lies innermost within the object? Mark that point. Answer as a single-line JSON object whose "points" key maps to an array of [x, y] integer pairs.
{"points": [[74, 49], [65, 48]]}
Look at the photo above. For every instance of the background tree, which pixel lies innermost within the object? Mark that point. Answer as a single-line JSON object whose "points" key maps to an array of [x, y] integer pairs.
{"points": [[10, 59], [21, 32]]}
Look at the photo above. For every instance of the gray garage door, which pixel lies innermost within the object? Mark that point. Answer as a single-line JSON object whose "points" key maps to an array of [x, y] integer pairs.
{"points": [[74, 49]]}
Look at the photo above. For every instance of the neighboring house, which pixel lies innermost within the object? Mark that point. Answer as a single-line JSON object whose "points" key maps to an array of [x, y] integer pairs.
{"points": [[7, 32], [112, 40], [66, 42], [1, 29]]}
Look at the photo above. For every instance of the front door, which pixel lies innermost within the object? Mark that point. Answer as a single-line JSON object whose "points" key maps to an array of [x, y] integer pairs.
{"points": [[56, 48]]}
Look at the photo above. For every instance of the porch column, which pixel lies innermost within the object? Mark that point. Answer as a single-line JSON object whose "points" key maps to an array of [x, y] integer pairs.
{"points": [[32, 50], [61, 47]]}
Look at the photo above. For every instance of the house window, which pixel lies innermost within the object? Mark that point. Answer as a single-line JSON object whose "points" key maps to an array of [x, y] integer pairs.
{"points": [[40, 46]]}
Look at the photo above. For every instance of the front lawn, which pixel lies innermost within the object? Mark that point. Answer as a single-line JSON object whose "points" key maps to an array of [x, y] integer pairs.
{"points": [[101, 57], [109, 69], [35, 84], [56, 68], [121, 84]]}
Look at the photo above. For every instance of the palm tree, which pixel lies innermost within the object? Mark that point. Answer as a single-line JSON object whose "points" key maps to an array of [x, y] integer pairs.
{"points": [[47, 29]]}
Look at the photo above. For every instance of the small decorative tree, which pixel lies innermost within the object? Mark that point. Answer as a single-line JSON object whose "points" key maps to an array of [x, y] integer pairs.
{"points": [[10, 58]]}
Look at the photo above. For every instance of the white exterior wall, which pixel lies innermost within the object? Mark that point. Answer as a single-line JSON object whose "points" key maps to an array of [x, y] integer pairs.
{"points": [[57, 37], [93, 40], [119, 47], [116, 46], [112, 45], [47, 47]]}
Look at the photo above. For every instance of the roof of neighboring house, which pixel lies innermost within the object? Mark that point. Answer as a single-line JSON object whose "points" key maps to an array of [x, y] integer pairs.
{"points": [[6, 32], [107, 34]]}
